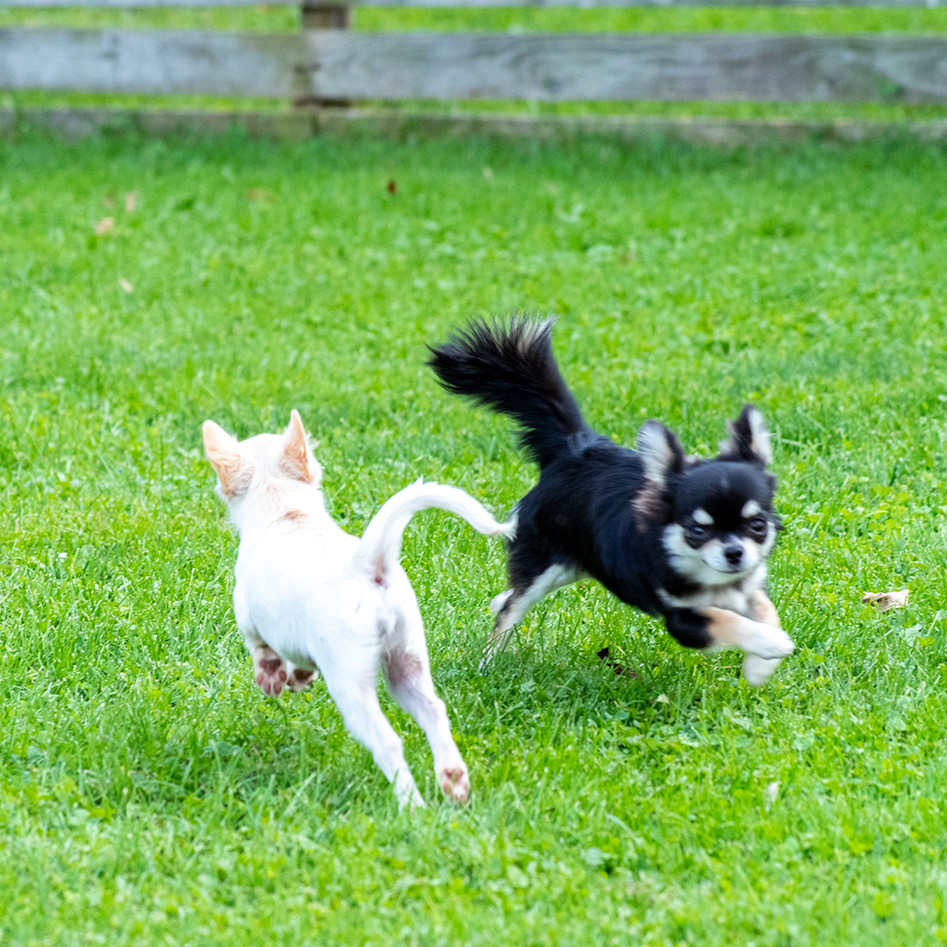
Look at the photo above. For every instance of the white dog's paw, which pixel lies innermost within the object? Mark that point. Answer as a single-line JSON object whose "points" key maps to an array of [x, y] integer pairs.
{"points": [[269, 671], [454, 782], [757, 670], [407, 794], [769, 642], [300, 678]]}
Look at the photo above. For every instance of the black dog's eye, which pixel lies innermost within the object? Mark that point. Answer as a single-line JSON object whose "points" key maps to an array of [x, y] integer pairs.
{"points": [[696, 531], [757, 526]]}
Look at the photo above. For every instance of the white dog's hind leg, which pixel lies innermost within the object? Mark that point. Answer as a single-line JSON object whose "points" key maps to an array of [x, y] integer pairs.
{"points": [[409, 680], [363, 716]]}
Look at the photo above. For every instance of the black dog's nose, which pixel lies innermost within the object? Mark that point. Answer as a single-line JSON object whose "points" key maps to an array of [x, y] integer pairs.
{"points": [[733, 554]]}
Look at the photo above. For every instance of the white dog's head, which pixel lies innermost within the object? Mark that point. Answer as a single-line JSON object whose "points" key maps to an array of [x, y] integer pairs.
{"points": [[269, 474]]}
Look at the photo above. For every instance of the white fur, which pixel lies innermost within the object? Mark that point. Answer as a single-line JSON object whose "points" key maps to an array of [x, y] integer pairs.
{"points": [[555, 577], [707, 565], [757, 671], [760, 441], [764, 643], [736, 597], [655, 451], [308, 595]]}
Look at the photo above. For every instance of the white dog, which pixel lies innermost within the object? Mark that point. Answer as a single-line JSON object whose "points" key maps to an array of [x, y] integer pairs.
{"points": [[311, 597]]}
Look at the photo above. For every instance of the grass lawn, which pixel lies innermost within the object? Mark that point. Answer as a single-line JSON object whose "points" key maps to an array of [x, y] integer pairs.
{"points": [[150, 794]]}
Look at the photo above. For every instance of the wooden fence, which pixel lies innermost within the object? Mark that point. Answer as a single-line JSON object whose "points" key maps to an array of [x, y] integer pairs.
{"points": [[326, 60]]}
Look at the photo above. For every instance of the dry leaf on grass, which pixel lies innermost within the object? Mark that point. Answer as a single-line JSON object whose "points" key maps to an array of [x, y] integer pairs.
{"points": [[104, 226], [885, 600]]}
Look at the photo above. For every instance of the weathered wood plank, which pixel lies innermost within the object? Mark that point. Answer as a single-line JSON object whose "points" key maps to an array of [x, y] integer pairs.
{"points": [[678, 67], [127, 4], [578, 4], [160, 62], [545, 67]]}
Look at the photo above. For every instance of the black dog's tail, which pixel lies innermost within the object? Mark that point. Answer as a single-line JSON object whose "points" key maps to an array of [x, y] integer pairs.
{"points": [[511, 369]]}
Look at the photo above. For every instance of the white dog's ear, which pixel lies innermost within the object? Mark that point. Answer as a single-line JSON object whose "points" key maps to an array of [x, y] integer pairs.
{"points": [[749, 439], [223, 451], [660, 452], [295, 460]]}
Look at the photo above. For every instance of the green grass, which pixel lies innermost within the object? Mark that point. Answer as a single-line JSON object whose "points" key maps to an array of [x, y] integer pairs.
{"points": [[149, 793]]}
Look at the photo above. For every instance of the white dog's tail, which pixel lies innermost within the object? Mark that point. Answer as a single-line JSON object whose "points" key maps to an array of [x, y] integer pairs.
{"points": [[380, 547]]}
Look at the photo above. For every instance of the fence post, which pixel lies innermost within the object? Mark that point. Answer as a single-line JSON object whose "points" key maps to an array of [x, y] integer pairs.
{"points": [[324, 16]]}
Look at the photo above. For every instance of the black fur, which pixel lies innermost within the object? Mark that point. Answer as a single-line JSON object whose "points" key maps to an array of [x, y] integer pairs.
{"points": [[514, 372], [623, 516]]}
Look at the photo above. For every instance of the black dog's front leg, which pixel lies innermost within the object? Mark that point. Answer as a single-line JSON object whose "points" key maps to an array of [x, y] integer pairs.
{"points": [[690, 628], [711, 629]]}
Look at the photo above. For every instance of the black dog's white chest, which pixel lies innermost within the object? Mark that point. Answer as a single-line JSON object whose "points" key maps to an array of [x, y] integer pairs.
{"points": [[737, 597]]}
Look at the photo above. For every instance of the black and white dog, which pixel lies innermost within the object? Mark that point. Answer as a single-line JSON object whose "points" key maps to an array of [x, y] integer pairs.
{"points": [[671, 534]]}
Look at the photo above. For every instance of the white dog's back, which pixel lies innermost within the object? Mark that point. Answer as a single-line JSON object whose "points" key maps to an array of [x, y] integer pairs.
{"points": [[300, 578], [295, 587]]}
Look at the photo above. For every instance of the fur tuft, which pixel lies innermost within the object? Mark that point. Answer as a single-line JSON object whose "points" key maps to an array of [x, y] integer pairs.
{"points": [[749, 439], [660, 451], [295, 460], [223, 451], [511, 369]]}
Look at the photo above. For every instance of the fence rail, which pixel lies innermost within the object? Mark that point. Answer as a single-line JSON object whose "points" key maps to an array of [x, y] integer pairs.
{"points": [[327, 61], [486, 4]]}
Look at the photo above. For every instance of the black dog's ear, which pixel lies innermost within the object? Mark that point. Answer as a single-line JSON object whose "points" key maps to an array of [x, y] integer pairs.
{"points": [[749, 439], [660, 452]]}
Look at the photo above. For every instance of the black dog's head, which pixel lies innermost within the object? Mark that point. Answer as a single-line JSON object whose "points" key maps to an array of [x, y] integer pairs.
{"points": [[717, 519]]}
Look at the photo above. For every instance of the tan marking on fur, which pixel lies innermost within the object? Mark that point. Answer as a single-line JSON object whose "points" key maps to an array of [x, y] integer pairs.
{"points": [[764, 611], [650, 505], [294, 515], [655, 450], [724, 626], [228, 473], [729, 630], [885, 600]]}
